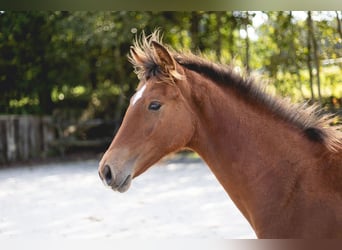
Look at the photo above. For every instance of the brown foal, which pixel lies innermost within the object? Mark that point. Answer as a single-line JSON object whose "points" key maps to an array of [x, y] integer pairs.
{"points": [[280, 163]]}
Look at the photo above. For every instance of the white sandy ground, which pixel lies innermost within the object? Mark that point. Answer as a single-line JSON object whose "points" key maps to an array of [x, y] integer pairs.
{"points": [[174, 199]]}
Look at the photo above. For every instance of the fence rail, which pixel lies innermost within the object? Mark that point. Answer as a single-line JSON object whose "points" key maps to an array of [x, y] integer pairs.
{"points": [[24, 137]]}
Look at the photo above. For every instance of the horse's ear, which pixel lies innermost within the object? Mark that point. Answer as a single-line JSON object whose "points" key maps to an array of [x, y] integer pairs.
{"points": [[165, 60]]}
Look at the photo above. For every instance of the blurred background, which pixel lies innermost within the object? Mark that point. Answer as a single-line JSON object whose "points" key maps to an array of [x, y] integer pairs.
{"points": [[65, 81]]}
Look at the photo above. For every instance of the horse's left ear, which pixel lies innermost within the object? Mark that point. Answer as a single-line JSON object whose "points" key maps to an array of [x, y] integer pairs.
{"points": [[135, 58], [165, 60]]}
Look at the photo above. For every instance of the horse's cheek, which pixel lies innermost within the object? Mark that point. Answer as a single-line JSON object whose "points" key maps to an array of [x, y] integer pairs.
{"points": [[152, 128], [148, 131]]}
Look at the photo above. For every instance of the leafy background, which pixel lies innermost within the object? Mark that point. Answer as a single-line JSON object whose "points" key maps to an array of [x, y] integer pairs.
{"points": [[74, 63]]}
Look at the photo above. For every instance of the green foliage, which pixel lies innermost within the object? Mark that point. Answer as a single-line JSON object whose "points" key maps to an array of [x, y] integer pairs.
{"points": [[60, 59]]}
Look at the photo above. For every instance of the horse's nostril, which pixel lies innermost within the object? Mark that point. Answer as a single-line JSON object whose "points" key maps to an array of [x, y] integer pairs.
{"points": [[107, 173]]}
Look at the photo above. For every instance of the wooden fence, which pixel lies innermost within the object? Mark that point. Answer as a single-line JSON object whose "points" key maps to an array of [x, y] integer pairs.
{"points": [[24, 137]]}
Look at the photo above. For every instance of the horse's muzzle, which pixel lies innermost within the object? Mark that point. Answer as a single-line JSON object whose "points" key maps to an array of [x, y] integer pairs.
{"points": [[120, 182]]}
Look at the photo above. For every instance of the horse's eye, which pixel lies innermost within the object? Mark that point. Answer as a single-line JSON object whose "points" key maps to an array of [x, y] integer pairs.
{"points": [[154, 106]]}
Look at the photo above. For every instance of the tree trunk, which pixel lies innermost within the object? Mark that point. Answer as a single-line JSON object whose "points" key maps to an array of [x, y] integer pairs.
{"points": [[231, 35], [247, 58], [44, 92], [194, 29], [92, 72], [308, 20], [315, 54], [219, 36], [338, 20], [293, 56]]}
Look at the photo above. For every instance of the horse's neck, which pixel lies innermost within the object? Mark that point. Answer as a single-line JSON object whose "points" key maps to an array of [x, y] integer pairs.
{"points": [[257, 159]]}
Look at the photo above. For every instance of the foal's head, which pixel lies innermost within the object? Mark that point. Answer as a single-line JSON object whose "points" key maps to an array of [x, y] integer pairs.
{"points": [[157, 122]]}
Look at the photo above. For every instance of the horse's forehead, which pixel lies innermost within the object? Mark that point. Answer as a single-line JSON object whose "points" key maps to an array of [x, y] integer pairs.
{"points": [[137, 96], [151, 88]]}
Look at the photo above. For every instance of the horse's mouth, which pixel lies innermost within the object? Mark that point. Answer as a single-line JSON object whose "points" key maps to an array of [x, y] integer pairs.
{"points": [[124, 185]]}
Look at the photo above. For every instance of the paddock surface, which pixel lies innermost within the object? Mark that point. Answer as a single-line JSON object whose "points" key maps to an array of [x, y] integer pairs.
{"points": [[174, 199]]}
